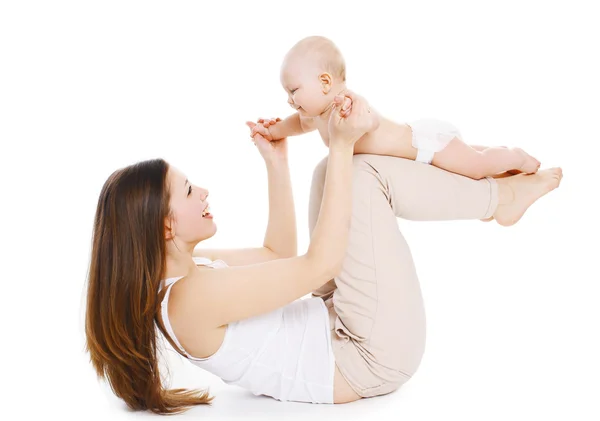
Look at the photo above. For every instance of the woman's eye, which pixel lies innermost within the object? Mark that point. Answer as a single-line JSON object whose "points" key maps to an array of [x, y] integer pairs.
{"points": [[190, 190]]}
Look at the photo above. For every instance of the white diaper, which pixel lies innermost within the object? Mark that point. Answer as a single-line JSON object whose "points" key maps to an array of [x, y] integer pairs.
{"points": [[430, 136]]}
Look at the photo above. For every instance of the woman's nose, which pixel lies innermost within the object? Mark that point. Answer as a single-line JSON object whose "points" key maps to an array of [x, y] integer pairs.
{"points": [[203, 193]]}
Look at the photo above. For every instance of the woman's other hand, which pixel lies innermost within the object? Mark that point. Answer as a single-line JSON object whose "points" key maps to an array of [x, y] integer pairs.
{"points": [[350, 119]]}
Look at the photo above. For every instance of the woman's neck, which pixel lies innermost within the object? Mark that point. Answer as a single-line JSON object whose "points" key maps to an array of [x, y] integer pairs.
{"points": [[179, 260]]}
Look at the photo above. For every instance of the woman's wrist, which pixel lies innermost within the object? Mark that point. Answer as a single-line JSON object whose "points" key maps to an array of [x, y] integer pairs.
{"points": [[277, 163], [341, 148]]}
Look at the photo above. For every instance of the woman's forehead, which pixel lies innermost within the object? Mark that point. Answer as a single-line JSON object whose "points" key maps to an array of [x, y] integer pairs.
{"points": [[176, 174], [177, 179]]}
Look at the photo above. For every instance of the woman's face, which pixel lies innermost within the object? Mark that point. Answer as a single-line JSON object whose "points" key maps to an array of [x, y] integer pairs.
{"points": [[191, 221]]}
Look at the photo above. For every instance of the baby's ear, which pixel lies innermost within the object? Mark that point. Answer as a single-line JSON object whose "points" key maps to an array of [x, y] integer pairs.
{"points": [[326, 82]]}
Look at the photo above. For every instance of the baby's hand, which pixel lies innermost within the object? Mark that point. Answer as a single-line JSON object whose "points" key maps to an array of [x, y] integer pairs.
{"points": [[268, 121], [262, 127]]}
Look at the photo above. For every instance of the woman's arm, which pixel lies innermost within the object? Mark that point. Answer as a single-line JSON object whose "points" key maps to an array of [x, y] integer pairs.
{"points": [[281, 237], [221, 296], [236, 293]]}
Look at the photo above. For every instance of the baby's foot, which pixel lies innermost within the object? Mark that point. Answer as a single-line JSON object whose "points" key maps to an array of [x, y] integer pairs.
{"points": [[530, 164], [526, 190]]}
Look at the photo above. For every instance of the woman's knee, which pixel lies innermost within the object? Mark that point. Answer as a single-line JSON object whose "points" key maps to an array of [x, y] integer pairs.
{"points": [[318, 177]]}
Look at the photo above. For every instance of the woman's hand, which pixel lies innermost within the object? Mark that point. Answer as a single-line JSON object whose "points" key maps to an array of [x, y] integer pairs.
{"points": [[272, 151], [348, 122]]}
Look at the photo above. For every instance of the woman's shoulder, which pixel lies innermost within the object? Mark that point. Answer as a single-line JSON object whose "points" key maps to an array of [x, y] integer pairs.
{"points": [[194, 330]]}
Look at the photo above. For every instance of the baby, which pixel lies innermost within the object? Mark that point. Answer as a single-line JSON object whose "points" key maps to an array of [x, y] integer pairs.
{"points": [[313, 75]]}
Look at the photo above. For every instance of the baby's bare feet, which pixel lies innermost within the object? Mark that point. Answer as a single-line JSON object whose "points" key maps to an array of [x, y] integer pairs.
{"points": [[526, 190], [530, 164]]}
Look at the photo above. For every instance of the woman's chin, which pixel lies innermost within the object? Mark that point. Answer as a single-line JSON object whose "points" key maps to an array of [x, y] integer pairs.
{"points": [[208, 231]]}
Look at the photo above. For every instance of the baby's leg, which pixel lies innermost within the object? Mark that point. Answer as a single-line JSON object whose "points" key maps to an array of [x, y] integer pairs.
{"points": [[479, 162], [508, 173]]}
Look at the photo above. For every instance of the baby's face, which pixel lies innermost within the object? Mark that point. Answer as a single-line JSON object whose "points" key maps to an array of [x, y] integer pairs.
{"points": [[300, 79]]}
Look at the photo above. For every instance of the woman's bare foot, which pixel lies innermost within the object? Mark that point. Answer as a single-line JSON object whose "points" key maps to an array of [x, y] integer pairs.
{"points": [[525, 190], [530, 164], [505, 174]]}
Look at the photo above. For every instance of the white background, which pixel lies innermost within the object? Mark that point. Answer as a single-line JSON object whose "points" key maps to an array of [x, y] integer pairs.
{"points": [[89, 87]]}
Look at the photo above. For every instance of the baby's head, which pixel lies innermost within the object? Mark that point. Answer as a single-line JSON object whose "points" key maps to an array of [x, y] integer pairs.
{"points": [[313, 73]]}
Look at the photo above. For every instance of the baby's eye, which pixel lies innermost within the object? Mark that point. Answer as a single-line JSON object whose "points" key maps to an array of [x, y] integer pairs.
{"points": [[189, 190], [293, 91]]}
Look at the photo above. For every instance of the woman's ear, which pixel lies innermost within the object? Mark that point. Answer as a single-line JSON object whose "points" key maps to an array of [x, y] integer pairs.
{"points": [[168, 232], [326, 82]]}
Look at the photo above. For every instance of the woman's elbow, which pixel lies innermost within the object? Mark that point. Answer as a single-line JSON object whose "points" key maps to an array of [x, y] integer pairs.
{"points": [[334, 270], [287, 253], [325, 267]]}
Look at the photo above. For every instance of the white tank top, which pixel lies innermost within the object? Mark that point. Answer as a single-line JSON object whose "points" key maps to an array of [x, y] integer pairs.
{"points": [[285, 354]]}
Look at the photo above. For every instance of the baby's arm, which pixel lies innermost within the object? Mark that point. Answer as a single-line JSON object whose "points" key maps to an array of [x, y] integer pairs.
{"points": [[290, 126], [275, 129]]}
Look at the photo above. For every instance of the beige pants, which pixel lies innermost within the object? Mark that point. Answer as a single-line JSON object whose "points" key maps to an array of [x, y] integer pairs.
{"points": [[376, 308]]}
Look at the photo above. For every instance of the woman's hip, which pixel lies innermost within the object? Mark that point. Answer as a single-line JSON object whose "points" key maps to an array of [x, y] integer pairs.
{"points": [[374, 366]]}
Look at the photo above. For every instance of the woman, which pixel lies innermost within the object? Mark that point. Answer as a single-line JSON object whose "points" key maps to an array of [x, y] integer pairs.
{"points": [[236, 313]]}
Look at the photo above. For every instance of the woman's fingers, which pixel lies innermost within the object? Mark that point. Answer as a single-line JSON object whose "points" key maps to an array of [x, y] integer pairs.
{"points": [[260, 129], [347, 103]]}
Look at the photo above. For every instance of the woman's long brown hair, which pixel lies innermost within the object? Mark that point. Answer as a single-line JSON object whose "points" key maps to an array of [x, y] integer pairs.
{"points": [[128, 262]]}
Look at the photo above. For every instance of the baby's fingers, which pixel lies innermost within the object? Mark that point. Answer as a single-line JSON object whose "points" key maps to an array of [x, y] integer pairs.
{"points": [[270, 122]]}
